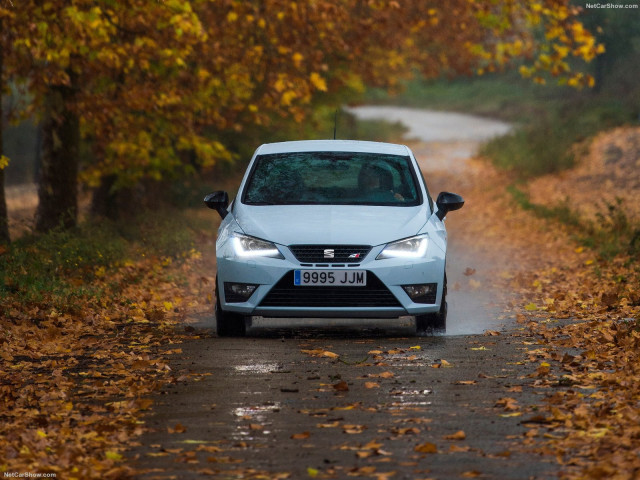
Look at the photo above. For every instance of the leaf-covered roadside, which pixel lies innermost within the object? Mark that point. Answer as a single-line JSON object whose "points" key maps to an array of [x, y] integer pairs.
{"points": [[586, 319], [74, 376], [579, 309]]}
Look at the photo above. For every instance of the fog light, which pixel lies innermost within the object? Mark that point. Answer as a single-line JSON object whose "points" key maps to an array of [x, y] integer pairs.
{"points": [[238, 292], [422, 293]]}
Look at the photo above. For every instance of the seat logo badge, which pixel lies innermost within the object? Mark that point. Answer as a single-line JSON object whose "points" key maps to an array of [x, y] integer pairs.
{"points": [[354, 255], [329, 253]]}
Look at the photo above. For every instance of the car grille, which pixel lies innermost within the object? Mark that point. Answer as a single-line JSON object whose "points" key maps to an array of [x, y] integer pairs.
{"points": [[330, 253], [286, 294]]}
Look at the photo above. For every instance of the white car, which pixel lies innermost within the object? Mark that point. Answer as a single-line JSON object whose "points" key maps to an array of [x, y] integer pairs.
{"points": [[331, 228]]}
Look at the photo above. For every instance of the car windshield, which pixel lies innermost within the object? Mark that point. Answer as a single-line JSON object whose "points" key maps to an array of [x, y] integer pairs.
{"points": [[332, 178]]}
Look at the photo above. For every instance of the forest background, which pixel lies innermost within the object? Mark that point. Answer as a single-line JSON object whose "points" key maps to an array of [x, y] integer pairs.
{"points": [[133, 98]]}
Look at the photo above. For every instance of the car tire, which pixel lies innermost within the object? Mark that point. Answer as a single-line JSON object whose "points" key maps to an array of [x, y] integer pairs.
{"points": [[434, 321], [229, 324]]}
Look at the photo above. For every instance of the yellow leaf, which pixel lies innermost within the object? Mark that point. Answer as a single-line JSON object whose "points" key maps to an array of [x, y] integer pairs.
{"points": [[318, 82], [531, 307], [417, 347], [41, 434], [598, 432], [288, 97], [312, 472], [168, 306], [111, 455]]}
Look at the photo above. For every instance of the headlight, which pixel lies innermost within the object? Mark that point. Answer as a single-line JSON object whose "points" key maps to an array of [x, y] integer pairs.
{"points": [[245, 246], [414, 247]]}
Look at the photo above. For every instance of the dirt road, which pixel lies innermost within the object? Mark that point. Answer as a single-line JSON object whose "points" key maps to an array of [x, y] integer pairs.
{"points": [[335, 401]]}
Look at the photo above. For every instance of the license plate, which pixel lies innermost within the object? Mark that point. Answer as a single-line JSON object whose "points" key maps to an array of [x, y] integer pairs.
{"points": [[333, 278]]}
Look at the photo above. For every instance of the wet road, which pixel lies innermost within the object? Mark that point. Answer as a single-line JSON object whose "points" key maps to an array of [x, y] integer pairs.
{"points": [[328, 399], [276, 405]]}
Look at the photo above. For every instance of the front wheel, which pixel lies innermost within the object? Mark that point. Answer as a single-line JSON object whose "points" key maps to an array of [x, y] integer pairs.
{"points": [[229, 324], [434, 321]]}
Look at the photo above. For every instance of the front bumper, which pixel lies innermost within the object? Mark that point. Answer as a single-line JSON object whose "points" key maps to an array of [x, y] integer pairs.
{"points": [[383, 297]]}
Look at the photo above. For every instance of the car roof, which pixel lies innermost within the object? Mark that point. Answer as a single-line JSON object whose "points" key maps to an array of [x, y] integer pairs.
{"points": [[333, 146]]}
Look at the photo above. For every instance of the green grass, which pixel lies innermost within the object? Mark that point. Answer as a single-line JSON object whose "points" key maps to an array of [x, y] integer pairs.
{"points": [[60, 269], [612, 234], [546, 145]]}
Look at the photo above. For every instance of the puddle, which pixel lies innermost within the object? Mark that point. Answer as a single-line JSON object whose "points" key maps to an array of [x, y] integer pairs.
{"points": [[426, 391], [256, 412], [416, 406], [258, 368], [255, 416]]}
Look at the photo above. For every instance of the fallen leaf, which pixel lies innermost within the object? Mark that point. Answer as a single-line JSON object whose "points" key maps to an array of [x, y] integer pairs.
{"points": [[328, 425], [319, 352], [426, 448], [353, 429], [459, 435], [456, 448], [371, 385], [179, 428], [471, 474], [300, 436], [111, 455], [492, 333], [341, 386]]}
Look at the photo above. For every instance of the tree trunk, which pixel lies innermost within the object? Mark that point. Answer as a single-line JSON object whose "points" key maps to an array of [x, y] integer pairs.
{"points": [[105, 201], [58, 186], [4, 220]]}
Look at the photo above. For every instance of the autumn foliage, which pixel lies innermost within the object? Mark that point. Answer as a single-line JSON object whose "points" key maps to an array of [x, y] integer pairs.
{"points": [[153, 86]]}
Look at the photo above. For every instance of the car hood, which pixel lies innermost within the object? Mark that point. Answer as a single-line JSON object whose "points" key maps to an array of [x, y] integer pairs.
{"points": [[330, 224]]}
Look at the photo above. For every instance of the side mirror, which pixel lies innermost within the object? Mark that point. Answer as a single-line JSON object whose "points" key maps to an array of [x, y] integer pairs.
{"points": [[218, 201], [448, 202]]}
